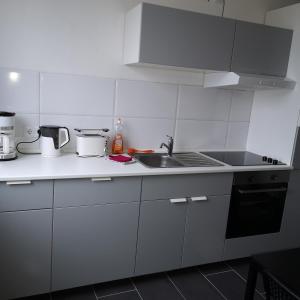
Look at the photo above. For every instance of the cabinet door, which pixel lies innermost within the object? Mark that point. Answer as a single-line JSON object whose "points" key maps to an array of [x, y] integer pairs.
{"points": [[93, 244], [261, 49], [25, 253], [205, 230], [160, 237], [180, 38], [291, 219]]}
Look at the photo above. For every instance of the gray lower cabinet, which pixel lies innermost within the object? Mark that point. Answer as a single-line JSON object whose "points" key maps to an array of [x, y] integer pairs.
{"points": [[93, 244], [25, 253], [92, 191], [160, 239], [205, 230], [26, 195], [187, 227], [247, 246]]}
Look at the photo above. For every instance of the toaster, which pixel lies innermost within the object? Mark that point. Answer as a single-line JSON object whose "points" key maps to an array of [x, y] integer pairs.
{"points": [[91, 142]]}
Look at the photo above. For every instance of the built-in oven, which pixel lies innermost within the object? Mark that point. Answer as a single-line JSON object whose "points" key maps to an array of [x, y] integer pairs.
{"points": [[257, 203]]}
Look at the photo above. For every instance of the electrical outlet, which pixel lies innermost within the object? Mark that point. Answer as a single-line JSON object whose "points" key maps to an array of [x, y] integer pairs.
{"points": [[31, 132]]}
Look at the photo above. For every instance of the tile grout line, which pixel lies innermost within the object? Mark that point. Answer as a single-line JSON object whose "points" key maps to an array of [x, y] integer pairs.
{"points": [[215, 273], [244, 279], [136, 289], [114, 294], [95, 293], [176, 112], [218, 291], [175, 286]]}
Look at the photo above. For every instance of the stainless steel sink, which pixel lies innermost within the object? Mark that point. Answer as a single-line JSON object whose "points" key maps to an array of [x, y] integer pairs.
{"points": [[158, 160], [177, 160]]}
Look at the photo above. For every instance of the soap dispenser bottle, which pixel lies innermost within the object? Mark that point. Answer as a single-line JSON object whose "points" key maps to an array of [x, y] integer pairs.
{"points": [[118, 141]]}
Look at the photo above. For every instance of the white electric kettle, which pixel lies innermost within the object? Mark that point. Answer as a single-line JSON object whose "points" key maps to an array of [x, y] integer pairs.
{"points": [[53, 138]]}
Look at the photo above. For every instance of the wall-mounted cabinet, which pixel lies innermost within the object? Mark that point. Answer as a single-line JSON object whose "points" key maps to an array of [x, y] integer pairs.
{"points": [[261, 49], [169, 37], [158, 35]]}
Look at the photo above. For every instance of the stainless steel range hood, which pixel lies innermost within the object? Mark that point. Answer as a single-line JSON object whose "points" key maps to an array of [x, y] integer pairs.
{"points": [[241, 81]]}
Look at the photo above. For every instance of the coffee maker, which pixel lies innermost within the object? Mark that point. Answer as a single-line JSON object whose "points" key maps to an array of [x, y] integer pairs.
{"points": [[7, 136]]}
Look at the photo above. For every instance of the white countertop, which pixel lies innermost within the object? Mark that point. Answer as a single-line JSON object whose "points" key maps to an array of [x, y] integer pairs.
{"points": [[35, 167]]}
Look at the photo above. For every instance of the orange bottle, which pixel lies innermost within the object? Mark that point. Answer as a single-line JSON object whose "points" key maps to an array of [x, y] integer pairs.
{"points": [[118, 143]]}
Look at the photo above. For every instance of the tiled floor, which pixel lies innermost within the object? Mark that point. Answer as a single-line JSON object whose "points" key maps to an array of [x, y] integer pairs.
{"points": [[210, 282]]}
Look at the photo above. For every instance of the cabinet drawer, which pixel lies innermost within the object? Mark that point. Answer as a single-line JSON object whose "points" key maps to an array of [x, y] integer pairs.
{"points": [[178, 186], [77, 192], [25, 195], [250, 245]]}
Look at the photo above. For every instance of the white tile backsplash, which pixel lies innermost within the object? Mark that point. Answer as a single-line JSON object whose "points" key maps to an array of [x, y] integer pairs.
{"points": [[146, 132], [206, 104], [241, 106], [237, 135], [19, 91], [146, 99], [73, 94], [75, 121], [193, 134], [198, 118]]}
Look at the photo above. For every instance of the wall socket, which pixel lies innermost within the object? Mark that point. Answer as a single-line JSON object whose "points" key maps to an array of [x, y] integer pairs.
{"points": [[31, 132]]}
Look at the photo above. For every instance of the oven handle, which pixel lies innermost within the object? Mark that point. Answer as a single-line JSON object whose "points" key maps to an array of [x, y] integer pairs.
{"points": [[283, 189]]}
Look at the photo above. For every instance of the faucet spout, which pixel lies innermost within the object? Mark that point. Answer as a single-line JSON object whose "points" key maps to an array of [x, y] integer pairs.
{"points": [[169, 146]]}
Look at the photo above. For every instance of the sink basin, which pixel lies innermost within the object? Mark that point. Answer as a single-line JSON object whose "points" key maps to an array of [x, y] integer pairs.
{"points": [[177, 160], [158, 160]]}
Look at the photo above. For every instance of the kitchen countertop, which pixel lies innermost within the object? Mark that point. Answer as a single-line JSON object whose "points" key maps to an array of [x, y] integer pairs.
{"points": [[35, 167]]}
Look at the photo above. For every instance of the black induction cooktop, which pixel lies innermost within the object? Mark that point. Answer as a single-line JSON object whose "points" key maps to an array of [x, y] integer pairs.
{"points": [[242, 158]]}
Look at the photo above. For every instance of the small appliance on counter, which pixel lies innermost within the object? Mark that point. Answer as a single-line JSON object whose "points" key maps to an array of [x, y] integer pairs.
{"points": [[91, 142], [53, 138], [7, 136]]}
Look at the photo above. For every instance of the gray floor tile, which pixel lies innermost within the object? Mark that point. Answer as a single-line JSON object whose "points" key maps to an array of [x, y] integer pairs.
{"points": [[214, 268], [123, 296], [156, 287], [193, 285], [242, 267], [85, 293], [231, 285], [113, 287]]}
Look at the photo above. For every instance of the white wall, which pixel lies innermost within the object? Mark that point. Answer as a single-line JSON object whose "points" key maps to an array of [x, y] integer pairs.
{"points": [[86, 36], [275, 113]]}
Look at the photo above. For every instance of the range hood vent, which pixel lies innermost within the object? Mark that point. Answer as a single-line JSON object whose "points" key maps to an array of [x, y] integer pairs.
{"points": [[241, 81]]}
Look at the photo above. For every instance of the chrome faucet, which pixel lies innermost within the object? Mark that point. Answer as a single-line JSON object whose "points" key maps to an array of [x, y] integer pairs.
{"points": [[169, 146]]}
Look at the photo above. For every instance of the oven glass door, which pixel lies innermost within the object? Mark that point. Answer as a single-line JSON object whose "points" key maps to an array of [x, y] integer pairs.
{"points": [[256, 209]]}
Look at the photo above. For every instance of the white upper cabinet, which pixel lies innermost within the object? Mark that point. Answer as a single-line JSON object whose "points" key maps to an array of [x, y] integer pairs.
{"points": [[158, 35]]}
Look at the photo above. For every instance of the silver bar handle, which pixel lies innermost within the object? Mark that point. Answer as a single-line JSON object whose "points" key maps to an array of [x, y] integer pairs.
{"points": [[201, 198], [262, 191], [178, 200], [101, 179], [19, 182]]}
